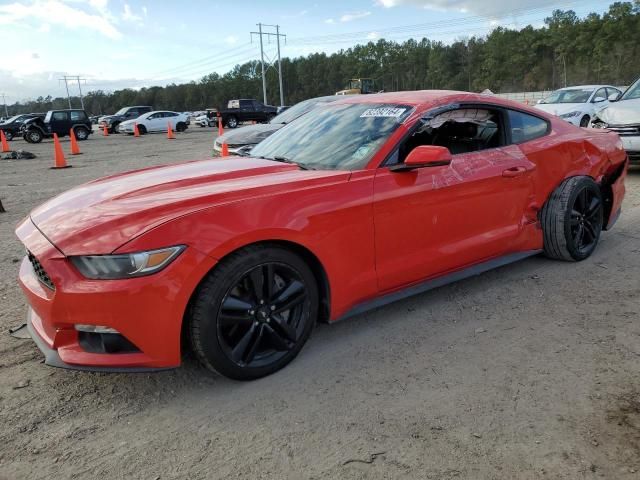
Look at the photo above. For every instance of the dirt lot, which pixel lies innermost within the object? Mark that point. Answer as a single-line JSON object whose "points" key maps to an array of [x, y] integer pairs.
{"points": [[530, 371]]}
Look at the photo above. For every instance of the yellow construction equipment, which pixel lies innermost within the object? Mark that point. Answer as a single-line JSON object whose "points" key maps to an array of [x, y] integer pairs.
{"points": [[358, 86]]}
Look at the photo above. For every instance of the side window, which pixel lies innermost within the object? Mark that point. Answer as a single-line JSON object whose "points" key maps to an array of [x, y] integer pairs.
{"points": [[78, 116], [525, 127], [611, 91], [170, 114], [600, 95], [60, 116], [154, 116], [246, 104], [257, 105]]}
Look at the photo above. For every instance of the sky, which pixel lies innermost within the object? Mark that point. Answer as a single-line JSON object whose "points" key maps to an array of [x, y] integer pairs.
{"points": [[115, 44]]}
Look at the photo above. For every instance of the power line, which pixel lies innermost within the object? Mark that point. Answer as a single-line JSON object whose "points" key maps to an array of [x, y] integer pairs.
{"points": [[262, 33]]}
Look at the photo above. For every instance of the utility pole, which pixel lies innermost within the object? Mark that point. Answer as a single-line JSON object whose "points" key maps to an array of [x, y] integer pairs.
{"points": [[4, 102], [271, 62], [77, 78]]}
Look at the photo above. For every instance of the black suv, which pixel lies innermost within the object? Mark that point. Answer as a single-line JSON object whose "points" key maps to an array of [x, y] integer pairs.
{"points": [[11, 126], [126, 113], [57, 121], [246, 109]]}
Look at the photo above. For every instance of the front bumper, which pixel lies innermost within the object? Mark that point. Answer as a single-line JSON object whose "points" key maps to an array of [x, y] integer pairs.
{"points": [[233, 149], [146, 311], [632, 146]]}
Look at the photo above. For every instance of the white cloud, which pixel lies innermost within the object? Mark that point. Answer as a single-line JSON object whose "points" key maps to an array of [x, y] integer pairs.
{"points": [[231, 40], [478, 7], [56, 12], [348, 17], [145, 11], [330, 21], [299, 14], [373, 36], [129, 16]]}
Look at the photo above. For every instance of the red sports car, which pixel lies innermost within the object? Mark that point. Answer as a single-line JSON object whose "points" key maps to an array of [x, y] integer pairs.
{"points": [[355, 204]]}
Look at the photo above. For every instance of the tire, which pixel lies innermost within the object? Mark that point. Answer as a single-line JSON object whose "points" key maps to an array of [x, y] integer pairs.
{"points": [[8, 135], [239, 336], [142, 129], [572, 220], [181, 127], [115, 128], [33, 135], [232, 121], [584, 121], [269, 118], [81, 133]]}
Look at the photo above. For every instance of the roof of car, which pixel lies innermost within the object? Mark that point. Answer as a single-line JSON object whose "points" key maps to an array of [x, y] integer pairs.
{"points": [[582, 87]]}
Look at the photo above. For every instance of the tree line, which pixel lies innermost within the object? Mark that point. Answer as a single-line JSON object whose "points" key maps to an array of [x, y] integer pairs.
{"points": [[568, 50]]}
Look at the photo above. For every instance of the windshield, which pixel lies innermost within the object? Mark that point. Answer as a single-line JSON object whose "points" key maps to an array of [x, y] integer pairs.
{"points": [[122, 111], [299, 109], [15, 118], [335, 137], [569, 96], [632, 92]]}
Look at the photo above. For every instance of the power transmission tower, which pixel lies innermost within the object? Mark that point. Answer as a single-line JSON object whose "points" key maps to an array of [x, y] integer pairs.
{"points": [[66, 79], [4, 102], [271, 62]]}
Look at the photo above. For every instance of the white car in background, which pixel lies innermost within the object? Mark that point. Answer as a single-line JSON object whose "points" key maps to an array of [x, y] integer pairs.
{"points": [[156, 121], [578, 105]]}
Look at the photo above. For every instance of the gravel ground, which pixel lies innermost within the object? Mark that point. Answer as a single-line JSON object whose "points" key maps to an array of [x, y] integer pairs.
{"points": [[530, 371]]}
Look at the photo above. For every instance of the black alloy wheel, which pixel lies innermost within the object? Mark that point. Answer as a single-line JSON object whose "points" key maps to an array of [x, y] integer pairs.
{"points": [[254, 312], [262, 316], [586, 220]]}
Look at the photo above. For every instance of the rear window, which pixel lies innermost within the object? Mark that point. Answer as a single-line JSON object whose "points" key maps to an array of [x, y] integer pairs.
{"points": [[525, 127], [58, 116], [78, 116]]}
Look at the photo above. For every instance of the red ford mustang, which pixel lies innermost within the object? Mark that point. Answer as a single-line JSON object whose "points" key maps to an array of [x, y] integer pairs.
{"points": [[353, 205]]}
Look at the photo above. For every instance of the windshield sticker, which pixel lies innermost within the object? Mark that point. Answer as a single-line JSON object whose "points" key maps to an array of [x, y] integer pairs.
{"points": [[383, 112]]}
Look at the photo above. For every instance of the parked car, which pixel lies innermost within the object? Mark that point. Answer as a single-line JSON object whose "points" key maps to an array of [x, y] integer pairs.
{"points": [[60, 122], [208, 118], [577, 105], [11, 127], [156, 122], [112, 122], [623, 117], [241, 141], [244, 110], [355, 204]]}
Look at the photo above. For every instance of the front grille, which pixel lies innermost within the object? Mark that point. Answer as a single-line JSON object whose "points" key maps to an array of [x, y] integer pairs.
{"points": [[40, 272], [626, 131]]}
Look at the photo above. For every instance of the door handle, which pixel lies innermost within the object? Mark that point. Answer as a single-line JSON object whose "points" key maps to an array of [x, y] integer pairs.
{"points": [[514, 172]]}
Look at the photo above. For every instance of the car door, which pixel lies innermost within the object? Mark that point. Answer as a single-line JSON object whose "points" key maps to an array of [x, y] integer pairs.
{"points": [[170, 118], [60, 123], [434, 220], [246, 110], [155, 122]]}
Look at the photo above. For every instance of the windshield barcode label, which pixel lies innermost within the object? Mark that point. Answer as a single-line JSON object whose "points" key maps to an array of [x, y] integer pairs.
{"points": [[383, 112]]}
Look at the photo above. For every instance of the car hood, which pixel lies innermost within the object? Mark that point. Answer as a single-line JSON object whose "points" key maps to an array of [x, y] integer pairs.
{"points": [[622, 112], [249, 135], [101, 216], [560, 108]]}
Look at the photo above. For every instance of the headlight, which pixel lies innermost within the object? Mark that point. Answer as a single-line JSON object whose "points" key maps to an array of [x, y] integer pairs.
{"points": [[128, 265], [597, 123], [570, 114]]}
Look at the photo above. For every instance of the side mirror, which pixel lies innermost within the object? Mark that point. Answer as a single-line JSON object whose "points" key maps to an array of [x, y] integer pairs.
{"points": [[540, 101], [599, 99], [424, 156], [613, 97]]}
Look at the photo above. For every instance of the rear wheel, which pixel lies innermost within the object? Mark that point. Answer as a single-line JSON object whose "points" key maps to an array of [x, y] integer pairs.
{"points": [[254, 312], [572, 220], [232, 121], [181, 127], [81, 133], [584, 121]]}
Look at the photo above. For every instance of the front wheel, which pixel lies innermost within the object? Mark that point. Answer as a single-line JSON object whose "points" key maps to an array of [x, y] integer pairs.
{"points": [[572, 219], [584, 121], [142, 130], [33, 136], [232, 121], [253, 313], [181, 127]]}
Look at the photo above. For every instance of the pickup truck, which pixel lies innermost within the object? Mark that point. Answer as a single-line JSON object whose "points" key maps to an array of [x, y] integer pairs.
{"points": [[243, 110], [112, 122]]}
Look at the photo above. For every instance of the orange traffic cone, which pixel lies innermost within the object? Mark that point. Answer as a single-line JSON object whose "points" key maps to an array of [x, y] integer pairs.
{"points": [[59, 160], [225, 150], [105, 131], [75, 149], [220, 129], [170, 135], [5, 144], [136, 132]]}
